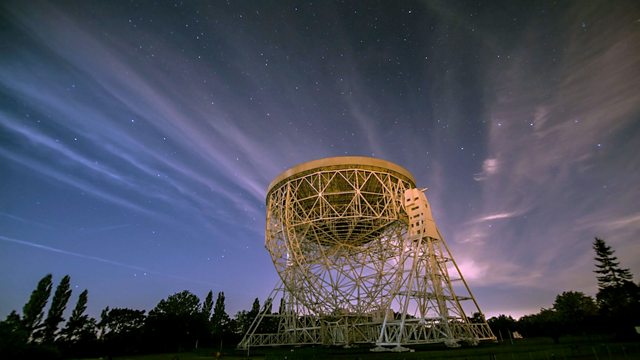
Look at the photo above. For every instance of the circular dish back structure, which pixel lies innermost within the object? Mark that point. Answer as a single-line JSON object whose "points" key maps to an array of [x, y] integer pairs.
{"points": [[361, 262]]}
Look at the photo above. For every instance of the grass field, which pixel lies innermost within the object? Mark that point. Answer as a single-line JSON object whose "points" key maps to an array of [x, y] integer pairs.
{"points": [[527, 349]]}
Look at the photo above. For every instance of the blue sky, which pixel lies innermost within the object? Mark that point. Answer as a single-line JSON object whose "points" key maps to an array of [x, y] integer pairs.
{"points": [[137, 140]]}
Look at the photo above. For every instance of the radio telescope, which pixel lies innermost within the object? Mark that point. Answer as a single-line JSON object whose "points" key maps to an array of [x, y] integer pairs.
{"points": [[360, 261]]}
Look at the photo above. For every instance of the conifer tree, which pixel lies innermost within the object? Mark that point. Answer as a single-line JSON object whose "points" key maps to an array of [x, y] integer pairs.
{"points": [[58, 305], [207, 306], [220, 318], [33, 310], [268, 306], [79, 324], [255, 308], [81, 305], [618, 296], [608, 267], [253, 313]]}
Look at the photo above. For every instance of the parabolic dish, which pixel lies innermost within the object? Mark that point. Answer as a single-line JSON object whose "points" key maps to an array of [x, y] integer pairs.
{"points": [[346, 200]]}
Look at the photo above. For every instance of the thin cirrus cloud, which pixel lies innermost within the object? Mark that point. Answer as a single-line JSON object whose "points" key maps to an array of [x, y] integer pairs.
{"points": [[38, 139], [73, 181], [74, 160], [210, 142], [547, 138], [497, 216], [489, 168], [551, 147], [632, 221], [100, 259]]}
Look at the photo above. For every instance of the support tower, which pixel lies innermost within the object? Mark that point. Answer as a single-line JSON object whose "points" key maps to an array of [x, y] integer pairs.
{"points": [[361, 261]]}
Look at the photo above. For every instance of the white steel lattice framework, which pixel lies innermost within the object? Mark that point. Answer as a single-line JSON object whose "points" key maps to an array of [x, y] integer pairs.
{"points": [[361, 261]]}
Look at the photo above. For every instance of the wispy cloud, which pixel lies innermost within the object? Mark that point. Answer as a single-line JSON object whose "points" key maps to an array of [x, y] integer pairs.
{"points": [[494, 272], [497, 216], [207, 133], [26, 221], [59, 150], [630, 221], [551, 145], [489, 168], [100, 259], [105, 228], [52, 172]]}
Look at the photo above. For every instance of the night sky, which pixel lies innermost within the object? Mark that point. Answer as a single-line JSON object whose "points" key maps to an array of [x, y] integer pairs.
{"points": [[137, 139]]}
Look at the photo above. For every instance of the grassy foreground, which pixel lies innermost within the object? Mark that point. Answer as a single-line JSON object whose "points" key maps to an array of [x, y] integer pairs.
{"points": [[527, 349]]}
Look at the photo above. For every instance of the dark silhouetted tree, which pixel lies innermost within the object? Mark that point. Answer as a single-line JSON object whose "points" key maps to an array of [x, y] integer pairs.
{"points": [[220, 318], [576, 312], [33, 310], [610, 274], [176, 322], [255, 308], [78, 337], [79, 326], [544, 323], [502, 326], [121, 330], [268, 306], [618, 296], [207, 306], [244, 318], [253, 313], [268, 324], [120, 321], [13, 337], [477, 318], [548, 319], [58, 305], [239, 323], [77, 317]]}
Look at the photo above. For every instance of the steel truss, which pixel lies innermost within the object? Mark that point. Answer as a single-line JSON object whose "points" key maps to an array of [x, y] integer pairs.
{"points": [[361, 262]]}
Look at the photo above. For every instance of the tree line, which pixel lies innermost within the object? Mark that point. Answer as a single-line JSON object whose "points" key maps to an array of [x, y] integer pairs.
{"points": [[615, 310], [181, 322]]}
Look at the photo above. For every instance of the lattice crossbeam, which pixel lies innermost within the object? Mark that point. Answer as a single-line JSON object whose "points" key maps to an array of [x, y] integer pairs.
{"points": [[361, 261]]}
